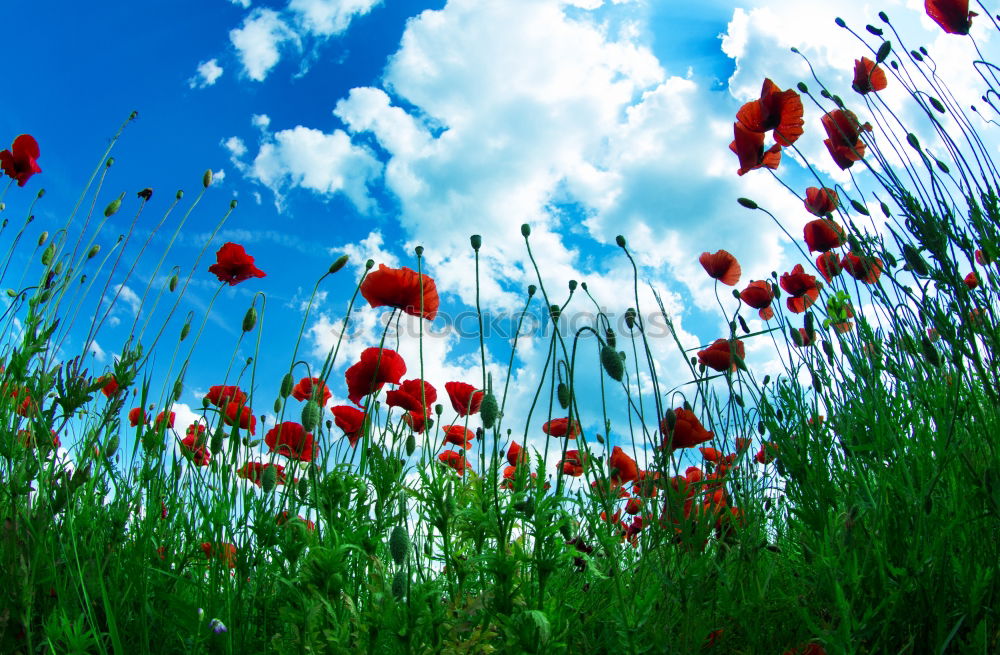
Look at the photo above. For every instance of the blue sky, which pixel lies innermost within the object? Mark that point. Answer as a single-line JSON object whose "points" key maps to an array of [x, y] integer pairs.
{"points": [[370, 127]]}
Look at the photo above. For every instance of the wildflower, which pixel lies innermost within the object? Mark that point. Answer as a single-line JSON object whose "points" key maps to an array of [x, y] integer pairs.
{"points": [[801, 287], [721, 266], [687, 433], [863, 269], [254, 472], [110, 387], [768, 451], [572, 463], [623, 467], [222, 551], [291, 440], [868, 76], [776, 110], [306, 388], [221, 396], [829, 265], [515, 454], [972, 280], [844, 132], [633, 506], [162, 419], [749, 148], [983, 259], [454, 460], [953, 16], [823, 234], [193, 446], [136, 416], [464, 397], [821, 202], [233, 265], [742, 443], [217, 626], [758, 294], [710, 454], [804, 339], [19, 163], [458, 435], [350, 420], [400, 288], [412, 395], [375, 368], [561, 427], [27, 438], [282, 519], [418, 421], [240, 415], [720, 355]]}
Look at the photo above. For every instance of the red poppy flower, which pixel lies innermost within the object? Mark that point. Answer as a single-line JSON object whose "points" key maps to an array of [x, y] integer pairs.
{"points": [[633, 506], [624, 469], [688, 430], [233, 265], [808, 649], [291, 440], [766, 314], [110, 387], [516, 455], [863, 269], [458, 435], [710, 454], [768, 451], [254, 472], [27, 438], [821, 202], [464, 397], [560, 427], [572, 463], [220, 396], [400, 288], [19, 162], [719, 356], [829, 265], [194, 446], [776, 110], [162, 419], [418, 421], [195, 430], [844, 131], [983, 259], [801, 287], [221, 551], [803, 340], [237, 414], [953, 16], [136, 416], [972, 280], [749, 148], [823, 234], [758, 294], [282, 518], [454, 460], [24, 409], [350, 420], [306, 388], [721, 266], [412, 395], [868, 76], [372, 372], [742, 443]]}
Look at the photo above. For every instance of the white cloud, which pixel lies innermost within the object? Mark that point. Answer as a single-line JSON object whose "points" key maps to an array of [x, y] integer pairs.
{"points": [[241, 3], [235, 146], [259, 40], [329, 17], [208, 73]]}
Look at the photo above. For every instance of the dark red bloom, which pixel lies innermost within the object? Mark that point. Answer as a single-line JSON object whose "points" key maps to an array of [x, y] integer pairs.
{"points": [[19, 162], [863, 269], [823, 234], [749, 148], [136, 416], [624, 468], [829, 265], [768, 451], [221, 551], [110, 387], [309, 387], [233, 265], [373, 371], [719, 356], [953, 16], [515, 454], [561, 427], [573, 463], [688, 430], [844, 131], [400, 288], [220, 396], [194, 446], [237, 414], [972, 280], [776, 110], [454, 460], [721, 266], [417, 421], [350, 420], [868, 76], [282, 519], [742, 443], [254, 472], [801, 287], [464, 397], [164, 420], [821, 202], [710, 454], [983, 259], [758, 294], [412, 395], [291, 440], [458, 435]]}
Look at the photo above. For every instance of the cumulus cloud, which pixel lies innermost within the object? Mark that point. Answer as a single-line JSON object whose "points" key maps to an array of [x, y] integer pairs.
{"points": [[208, 73], [259, 41], [329, 17]]}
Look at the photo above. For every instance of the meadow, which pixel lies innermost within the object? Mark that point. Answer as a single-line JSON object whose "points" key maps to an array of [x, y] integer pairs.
{"points": [[849, 505]]}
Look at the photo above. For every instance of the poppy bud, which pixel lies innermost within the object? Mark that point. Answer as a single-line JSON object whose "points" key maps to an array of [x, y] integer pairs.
{"points": [[942, 166], [858, 207], [913, 259], [232, 203], [531, 290], [438, 409], [738, 399], [914, 142], [488, 410], [476, 241], [206, 179], [287, 383], [369, 264], [250, 319], [936, 104], [885, 209], [145, 194], [411, 443], [173, 282], [48, 254], [217, 437], [399, 544], [399, 585], [113, 207], [339, 264], [630, 317], [42, 238], [11, 293], [931, 354], [93, 252], [185, 330], [612, 363], [670, 418], [277, 405], [746, 202], [554, 312], [178, 389], [609, 335], [111, 447], [303, 489], [810, 325], [828, 349], [562, 394], [572, 286], [796, 337], [525, 230], [620, 240], [311, 415], [179, 194], [743, 325], [840, 22], [767, 378], [801, 86], [873, 30], [761, 429], [817, 383], [269, 478]]}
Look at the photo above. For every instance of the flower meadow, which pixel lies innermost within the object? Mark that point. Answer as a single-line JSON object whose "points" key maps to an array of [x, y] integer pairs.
{"points": [[849, 505]]}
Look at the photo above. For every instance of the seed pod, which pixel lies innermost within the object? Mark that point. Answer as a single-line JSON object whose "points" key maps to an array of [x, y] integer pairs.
{"points": [[338, 264], [269, 478], [277, 405], [554, 312], [93, 252], [936, 104], [630, 317], [113, 207], [111, 447], [746, 202], [860, 208], [913, 259], [488, 410], [883, 51], [311, 415], [609, 336], [287, 383], [232, 204], [42, 238], [801, 86], [411, 442], [178, 389], [185, 330], [217, 438], [399, 544], [173, 282], [572, 286], [562, 394], [612, 363], [620, 240], [11, 293], [931, 355], [476, 241], [525, 230], [250, 319], [206, 179], [531, 290], [48, 254]]}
